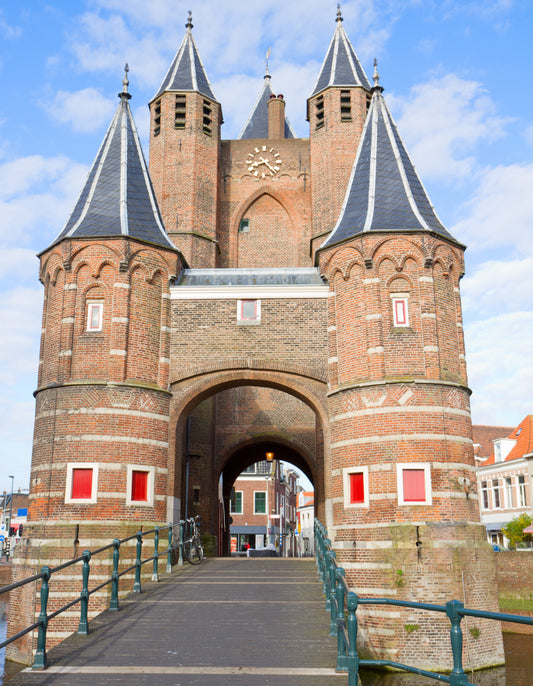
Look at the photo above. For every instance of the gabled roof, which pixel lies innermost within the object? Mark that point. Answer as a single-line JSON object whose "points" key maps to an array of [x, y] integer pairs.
{"points": [[523, 435], [187, 73], [484, 437], [257, 124], [384, 192], [341, 67], [118, 199]]}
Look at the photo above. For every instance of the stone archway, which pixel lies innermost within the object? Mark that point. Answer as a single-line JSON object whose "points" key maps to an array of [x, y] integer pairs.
{"points": [[216, 416]]}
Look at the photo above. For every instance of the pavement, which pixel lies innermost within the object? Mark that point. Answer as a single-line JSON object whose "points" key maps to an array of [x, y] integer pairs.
{"points": [[226, 622]]}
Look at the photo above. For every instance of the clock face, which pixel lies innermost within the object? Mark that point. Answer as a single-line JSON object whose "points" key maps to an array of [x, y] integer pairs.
{"points": [[263, 162]]}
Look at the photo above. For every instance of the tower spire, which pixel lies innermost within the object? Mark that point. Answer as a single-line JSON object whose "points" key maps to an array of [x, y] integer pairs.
{"points": [[189, 25], [267, 73], [125, 83], [375, 75], [339, 13]]}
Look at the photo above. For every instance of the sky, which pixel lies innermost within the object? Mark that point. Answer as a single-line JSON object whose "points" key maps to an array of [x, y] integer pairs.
{"points": [[457, 79]]}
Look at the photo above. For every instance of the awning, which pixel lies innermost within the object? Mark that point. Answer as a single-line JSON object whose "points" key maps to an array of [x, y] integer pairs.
{"points": [[528, 529], [495, 526], [248, 530]]}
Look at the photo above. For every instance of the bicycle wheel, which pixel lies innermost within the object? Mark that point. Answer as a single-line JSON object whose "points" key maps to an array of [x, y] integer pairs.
{"points": [[193, 551]]}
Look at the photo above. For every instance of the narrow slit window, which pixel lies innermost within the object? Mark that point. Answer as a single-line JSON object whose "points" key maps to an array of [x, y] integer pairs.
{"points": [[95, 316], [180, 112], [157, 118], [319, 112], [244, 226], [346, 106], [400, 310], [207, 117]]}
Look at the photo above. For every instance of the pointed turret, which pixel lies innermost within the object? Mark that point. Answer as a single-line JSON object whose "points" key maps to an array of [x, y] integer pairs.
{"points": [[336, 111], [257, 125], [185, 153], [187, 73], [385, 192], [118, 199], [341, 67]]}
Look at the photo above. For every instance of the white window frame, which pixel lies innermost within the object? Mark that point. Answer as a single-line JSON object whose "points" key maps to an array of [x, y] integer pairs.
{"points": [[400, 300], [400, 468], [266, 504], [507, 492], [495, 487], [485, 500], [346, 486], [521, 488], [232, 511], [69, 500], [249, 320], [150, 485], [92, 307]]}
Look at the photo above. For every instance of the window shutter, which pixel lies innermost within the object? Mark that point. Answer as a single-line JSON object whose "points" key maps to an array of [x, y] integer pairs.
{"points": [[82, 484]]}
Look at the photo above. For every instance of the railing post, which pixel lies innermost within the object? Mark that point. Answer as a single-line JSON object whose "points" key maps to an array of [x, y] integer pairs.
{"points": [[155, 571], [39, 661], [180, 546], [169, 549], [457, 676], [332, 592], [342, 661], [83, 628], [353, 657], [137, 582], [113, 603], [326, 586]]}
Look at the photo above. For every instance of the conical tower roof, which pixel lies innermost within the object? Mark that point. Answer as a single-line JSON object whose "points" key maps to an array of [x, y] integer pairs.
{"points": [[384, 192], [257, 124], [341, 67], [118, 199], [187, 73]]}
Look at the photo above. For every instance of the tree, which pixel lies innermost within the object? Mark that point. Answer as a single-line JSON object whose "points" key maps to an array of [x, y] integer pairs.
{"points": [[514, 530]]}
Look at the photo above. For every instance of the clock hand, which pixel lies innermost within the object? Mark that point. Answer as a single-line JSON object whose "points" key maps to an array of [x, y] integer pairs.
{"points": [[267, 163]]}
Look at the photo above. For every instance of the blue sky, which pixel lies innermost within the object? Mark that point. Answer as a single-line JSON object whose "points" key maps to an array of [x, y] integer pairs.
{"points": [[457, 78]]}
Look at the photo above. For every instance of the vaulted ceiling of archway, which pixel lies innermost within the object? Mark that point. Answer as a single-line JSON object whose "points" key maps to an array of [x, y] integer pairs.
{"points": [[245, 420]]}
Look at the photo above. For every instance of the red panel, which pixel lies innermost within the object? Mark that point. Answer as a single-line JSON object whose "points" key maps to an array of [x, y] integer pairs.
{"points": [[414, 485], [139, 485], [82, 483], [357, 488]]}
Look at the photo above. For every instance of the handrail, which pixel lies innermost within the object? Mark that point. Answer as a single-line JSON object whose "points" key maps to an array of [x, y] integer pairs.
{"points": [[342, 603], [46, 573]]}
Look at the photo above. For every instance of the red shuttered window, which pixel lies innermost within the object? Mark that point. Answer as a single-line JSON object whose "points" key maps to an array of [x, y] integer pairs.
{"points": [[139, 485], [414, 485], [357, 488], [82, 484]]}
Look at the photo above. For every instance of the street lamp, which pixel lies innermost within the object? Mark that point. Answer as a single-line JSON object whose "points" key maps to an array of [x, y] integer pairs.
{"points": [[11, 504], [270, 460]]}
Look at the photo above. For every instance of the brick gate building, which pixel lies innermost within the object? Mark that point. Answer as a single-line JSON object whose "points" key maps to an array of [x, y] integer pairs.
{"points": [[264, 294]]}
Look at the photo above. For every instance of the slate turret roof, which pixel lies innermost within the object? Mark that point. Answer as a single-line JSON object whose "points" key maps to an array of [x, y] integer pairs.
{"points": [[257, 124], [384, 192], [187, 73], [118, 199], [341, 67]]}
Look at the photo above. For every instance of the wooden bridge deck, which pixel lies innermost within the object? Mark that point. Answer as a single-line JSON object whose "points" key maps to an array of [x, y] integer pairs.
{"points": [[227, 622]]}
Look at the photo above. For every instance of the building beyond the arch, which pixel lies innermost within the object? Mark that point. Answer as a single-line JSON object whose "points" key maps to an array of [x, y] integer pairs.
{"points": [[264, 291]]}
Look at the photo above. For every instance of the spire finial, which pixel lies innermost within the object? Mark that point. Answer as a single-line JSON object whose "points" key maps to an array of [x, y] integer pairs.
{"points": [[339, 13], [189, 25], [125, 83], [375, 76], [267, 73]]}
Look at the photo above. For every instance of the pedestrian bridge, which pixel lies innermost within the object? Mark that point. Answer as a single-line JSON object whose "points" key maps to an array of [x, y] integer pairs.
{"points": [[227, 622]]}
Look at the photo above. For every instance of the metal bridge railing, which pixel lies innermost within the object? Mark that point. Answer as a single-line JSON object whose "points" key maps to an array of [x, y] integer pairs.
{"points": [[342, 603], [174, 542]]}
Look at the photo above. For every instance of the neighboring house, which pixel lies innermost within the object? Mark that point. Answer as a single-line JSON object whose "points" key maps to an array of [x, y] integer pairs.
{"points": [[13, 516], [306, 519], [504, 475], [263, 508]]}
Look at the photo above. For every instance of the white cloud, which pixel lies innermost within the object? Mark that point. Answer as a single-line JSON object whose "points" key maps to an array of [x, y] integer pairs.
{"points": [[500, 211], [7, 30], [442, 121], [85, 110], [500, 368], [36, 195], [493, 285]]}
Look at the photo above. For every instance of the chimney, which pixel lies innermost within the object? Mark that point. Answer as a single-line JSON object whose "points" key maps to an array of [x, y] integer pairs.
{"points": [[276, 117]]}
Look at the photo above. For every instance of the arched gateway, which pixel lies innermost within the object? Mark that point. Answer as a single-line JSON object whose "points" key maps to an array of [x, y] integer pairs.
{"points": [[295, 293]]}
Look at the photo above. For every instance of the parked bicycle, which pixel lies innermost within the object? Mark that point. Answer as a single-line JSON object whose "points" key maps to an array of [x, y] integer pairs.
{"points": [[193, 550]]}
